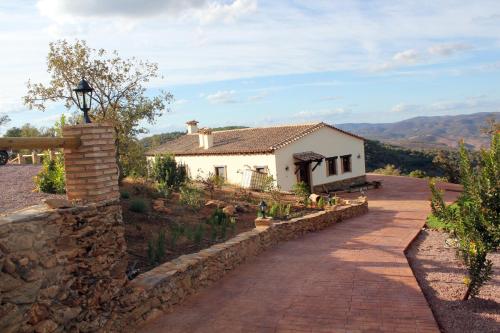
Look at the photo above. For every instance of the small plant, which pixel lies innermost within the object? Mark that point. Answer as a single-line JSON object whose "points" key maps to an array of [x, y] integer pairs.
{"points": [[191, 196], [321, 203], [219, 222], [198, 234], [388, 170], [164, 190], [279, 210], [124, 195], [138, 205], [211, 183], [166, 170], [51, 178], [301, 189], [156, 249], [417, 174], [175, 233]]}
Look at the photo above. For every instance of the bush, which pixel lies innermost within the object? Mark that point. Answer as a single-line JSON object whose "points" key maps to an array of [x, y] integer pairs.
{"points": [[191, 197], [138, 206], [279, 210], [198, 234], [219, 222], [165, 170], [301, 190], [164, 190], [124, 195], [434, 222], [418, 174], [388, 170], [475, 218], [51, 178], [211, 183], [321, 203]]}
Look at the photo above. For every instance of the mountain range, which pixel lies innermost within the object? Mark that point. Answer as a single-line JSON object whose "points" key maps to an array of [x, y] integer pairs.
{"points": [[429, 132]]}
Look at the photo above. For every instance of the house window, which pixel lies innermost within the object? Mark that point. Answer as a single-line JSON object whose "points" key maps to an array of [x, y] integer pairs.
{"points": [[331, 166], [261, 169], [346, 163], [220, 171]]}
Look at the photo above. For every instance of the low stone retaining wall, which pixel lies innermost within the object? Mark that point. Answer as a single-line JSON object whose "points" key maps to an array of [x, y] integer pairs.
{"points": [[170, 283], [61, 270]]}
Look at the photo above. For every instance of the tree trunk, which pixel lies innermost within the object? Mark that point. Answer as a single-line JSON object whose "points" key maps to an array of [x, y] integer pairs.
{"points": [[467, 292]]}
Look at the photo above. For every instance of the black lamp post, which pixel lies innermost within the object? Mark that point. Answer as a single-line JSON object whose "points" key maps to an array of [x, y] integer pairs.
{"points": [[84, 97], [263, 208]]}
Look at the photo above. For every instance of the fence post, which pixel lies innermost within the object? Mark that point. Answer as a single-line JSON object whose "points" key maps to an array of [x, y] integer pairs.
{"points": [[91, 169], [34, 157]]}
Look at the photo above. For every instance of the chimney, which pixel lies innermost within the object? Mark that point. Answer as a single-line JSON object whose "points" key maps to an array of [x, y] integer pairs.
{"points": [[206, 138], [192, 127]]}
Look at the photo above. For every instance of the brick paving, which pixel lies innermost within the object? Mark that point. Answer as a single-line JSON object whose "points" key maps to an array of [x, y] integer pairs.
{"points": [[351, 277]]}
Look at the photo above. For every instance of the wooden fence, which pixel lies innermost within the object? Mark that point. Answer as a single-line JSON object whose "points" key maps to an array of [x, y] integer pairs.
{"points": [[49, 144]]}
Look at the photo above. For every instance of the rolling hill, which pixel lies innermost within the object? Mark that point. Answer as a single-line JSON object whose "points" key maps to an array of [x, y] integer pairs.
{"points": [[428, 132]]}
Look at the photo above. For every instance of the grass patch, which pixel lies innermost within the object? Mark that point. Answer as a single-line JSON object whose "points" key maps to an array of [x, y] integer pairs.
{"points": [[435, 223]]}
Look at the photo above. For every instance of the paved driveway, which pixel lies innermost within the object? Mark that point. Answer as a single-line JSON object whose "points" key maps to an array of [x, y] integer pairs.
{"points": [[351, 277]]}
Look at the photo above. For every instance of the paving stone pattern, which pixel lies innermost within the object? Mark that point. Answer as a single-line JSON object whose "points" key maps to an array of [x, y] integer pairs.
{"points": [[351, 277]]}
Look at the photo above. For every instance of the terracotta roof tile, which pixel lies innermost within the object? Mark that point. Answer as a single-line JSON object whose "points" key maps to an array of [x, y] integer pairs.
{"points": [[241, 141]]}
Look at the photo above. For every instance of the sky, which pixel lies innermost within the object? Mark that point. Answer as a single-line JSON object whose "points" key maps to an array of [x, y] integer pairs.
{"points": [[258, 63]]}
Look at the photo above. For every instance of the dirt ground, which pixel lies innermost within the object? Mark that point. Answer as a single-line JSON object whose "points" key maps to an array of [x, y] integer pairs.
{"points": [[16, 187], [440, 275], [141, 228]]}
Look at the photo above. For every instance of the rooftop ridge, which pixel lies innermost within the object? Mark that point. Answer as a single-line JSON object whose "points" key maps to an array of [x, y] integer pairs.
{"points": [[272, 126]]}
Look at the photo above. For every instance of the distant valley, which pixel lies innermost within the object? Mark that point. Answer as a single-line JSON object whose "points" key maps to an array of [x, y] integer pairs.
{"points": [[435, 132]]}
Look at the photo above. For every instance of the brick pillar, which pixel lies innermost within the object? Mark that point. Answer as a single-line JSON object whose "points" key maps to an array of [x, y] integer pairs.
{"points": [[91, 169]]}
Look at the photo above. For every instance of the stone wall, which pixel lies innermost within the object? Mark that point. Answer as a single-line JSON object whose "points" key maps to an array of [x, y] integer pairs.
{"points": [[170, 283], [61, 270]]}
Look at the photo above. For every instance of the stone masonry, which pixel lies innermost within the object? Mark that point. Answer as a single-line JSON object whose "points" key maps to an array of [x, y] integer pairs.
{"points": [[169, 284], [62, 269], [91, 169]]}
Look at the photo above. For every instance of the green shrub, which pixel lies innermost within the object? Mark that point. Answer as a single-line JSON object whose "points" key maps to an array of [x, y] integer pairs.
{"points": [[51, 178], [388, 170], [321, 203], [138, 205], [165, 170], [434, 222], [475, 218], [219, 222], [191, 197], [279, 210], [124, 195], [301, 189], [164, 190], [417, 174]]}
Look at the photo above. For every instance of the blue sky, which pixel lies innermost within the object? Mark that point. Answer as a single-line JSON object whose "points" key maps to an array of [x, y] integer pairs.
{"points": [[255, 63]]}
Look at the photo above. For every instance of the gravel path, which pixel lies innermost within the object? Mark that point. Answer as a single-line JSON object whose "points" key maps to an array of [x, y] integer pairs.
{"points": [[440, 276], [16, 187]]}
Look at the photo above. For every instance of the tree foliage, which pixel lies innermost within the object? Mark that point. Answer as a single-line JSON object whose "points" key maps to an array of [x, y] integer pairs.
{"points": [[475, 218], [119, 88], [4, 119]]}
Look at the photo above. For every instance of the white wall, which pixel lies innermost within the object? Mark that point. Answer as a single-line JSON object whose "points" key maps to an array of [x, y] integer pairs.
{"points": [[202, 165], [327, 142]]}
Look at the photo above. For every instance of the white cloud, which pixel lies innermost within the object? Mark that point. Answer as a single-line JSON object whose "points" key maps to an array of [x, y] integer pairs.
{"points": [[207, 11], [258, 97], [410, 56], [222, 97], [448, 49], [180, 101], [479, 103], [219, 12]]}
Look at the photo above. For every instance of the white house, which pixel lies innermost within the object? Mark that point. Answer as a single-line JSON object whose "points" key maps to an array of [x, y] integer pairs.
{"points": [[319, 154]]}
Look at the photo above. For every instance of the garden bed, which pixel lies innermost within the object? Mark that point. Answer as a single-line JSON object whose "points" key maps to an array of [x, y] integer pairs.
{"points": [[179, 223], [441, 275]]}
